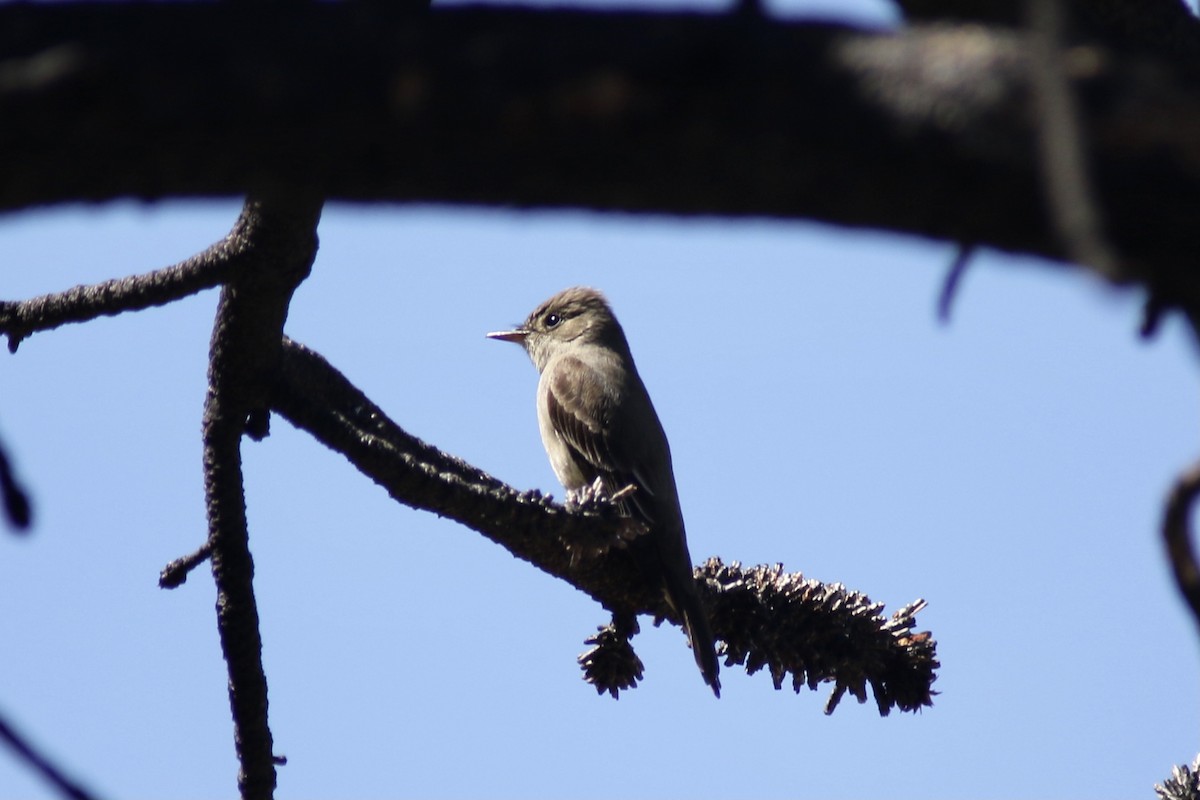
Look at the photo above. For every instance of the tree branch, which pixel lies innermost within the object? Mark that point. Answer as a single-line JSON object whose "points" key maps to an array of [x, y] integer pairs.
{"points": [[1177, 536], [929, 130], [204, 270], [175, 574], [26, 752], [817, 633], [582, 549], [243, 362], [15, 500]]}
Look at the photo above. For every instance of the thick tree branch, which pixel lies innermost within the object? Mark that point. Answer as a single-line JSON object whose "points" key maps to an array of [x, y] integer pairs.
{"points": [[928, 130], [582, 549], [817, 633], [243, 362]]}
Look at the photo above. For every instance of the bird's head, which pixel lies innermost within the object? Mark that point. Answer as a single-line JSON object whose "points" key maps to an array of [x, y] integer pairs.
{"points": [[577, 315]]}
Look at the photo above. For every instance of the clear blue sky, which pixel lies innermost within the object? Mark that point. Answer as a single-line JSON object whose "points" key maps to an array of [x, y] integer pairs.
{"points": [[1008, 467]]}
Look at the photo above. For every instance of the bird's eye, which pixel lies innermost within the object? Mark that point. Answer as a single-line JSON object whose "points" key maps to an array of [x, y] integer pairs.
{"points": [[552, 320]]}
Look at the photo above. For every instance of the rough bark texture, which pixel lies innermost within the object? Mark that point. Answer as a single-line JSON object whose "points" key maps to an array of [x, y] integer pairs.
{"points": [[928, 130], [279, 238]]}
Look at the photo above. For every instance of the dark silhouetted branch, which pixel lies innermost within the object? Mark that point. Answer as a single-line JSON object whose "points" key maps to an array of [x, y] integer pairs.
{"points": [[582, 549], [954, 275], [928, 130], [16, 502], [41, 764], [1177, 535], [818, 633], [243, 362], [175, 574], [82, 303]]}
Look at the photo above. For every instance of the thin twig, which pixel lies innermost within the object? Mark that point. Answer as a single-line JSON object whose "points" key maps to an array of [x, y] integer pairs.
{"points": [[16, 501], [175, 574], [41, 764], [1177, 535], [958, 267], [82, 303], [1153, 310]]}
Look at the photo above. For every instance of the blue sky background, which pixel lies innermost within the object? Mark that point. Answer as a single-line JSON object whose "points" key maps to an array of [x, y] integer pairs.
{"points": [[1009, 468]]}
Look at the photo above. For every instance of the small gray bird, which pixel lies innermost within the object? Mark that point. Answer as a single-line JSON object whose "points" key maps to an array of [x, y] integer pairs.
{"points": [[598, 424]]}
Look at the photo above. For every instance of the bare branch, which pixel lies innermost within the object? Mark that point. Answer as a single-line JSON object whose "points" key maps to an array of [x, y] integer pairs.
{"points": [[580, 548], [243, 362], [26, 752], [16, 501], [174, 575], [1177, 536], [202, 271], [818, 633]]}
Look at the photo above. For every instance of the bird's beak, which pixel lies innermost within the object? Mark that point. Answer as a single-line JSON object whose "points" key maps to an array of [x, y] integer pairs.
{"points": [[517, 335]]}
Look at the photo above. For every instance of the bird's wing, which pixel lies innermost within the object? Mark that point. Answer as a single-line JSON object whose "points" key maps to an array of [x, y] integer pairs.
{"points": [[581, 413]]}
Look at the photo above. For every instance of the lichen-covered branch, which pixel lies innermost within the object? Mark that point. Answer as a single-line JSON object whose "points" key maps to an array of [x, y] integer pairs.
{"points": [[249, 374], [818, 633], [175, 574]]}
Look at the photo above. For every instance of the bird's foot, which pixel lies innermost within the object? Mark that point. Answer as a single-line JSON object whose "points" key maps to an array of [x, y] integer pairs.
{"points": [[594, 500], [587, 497], [594, 496]]}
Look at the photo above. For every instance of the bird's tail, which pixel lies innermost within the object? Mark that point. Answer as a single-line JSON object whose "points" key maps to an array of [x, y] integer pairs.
{"points": [[685, 598]]}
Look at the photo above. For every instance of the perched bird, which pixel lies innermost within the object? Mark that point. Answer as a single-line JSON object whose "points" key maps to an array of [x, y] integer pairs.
{"points": [[599, 428]]}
